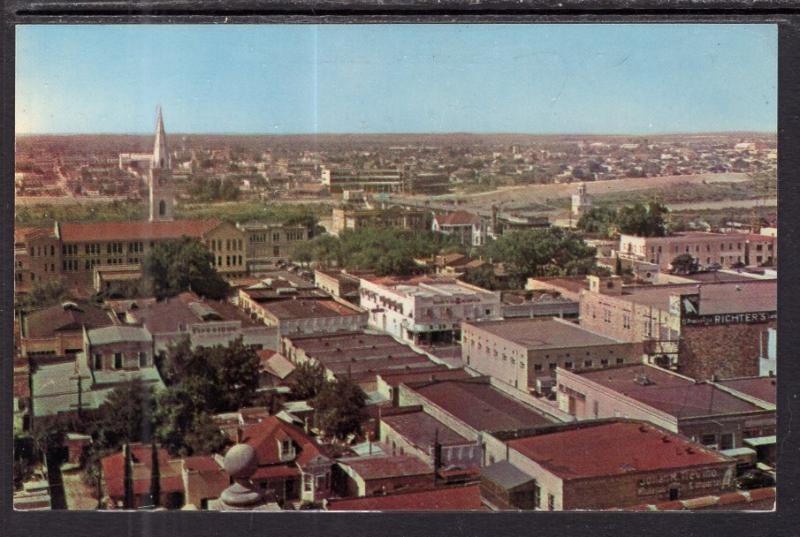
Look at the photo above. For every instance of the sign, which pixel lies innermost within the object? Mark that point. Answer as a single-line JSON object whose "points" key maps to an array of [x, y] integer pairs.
{"points": [[689, 307]]}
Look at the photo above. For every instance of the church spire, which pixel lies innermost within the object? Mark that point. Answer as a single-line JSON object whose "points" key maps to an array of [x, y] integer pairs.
{"points": [[160, 153]]}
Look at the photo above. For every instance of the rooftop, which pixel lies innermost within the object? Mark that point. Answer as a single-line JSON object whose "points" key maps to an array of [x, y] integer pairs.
{"points": [[118, 334], [114, 472], [427, 286], [308, 308], [68, 316], [433, 373], [612, 448], [421, 429], [458, 218], [385, 467], [479, 405], [764, 388], [461, 498], [264, 436], [534, 334], [142, 230], [175, 314], [668, 392]]}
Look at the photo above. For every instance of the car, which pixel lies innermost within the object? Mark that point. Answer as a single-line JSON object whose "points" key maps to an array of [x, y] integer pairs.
{"points": [[755, 479]]}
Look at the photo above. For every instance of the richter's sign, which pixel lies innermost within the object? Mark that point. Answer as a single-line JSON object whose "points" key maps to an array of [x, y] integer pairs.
{"points": [[689, 308]]}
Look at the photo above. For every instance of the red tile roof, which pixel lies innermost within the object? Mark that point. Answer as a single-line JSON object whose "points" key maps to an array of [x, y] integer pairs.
{"points": [[614, 448], [459, 498], [458, 218], [114, 472], [263, 437], [136, 230]]}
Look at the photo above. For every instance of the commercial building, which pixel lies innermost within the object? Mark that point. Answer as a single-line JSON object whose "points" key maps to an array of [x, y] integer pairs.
{"points": [[294, 315], [357, 217], [472, 407], [454, 498], [339, 284], [530, 304], [268, 244], [381, 474], [409, 430], [425, 310], [468, 228], [375, 180], [703, 411], [519, 352], [702, 329], [605, 464], [724, 249], [359, 355]]}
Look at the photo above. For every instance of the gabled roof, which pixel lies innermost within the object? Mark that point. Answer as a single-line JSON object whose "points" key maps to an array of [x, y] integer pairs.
{"points": [[458, 218], [69, 316], [264, 438]]}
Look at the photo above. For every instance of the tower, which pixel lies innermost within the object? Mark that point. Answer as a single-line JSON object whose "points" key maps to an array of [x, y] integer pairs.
{"points": [[162, 192], [581, 202]]}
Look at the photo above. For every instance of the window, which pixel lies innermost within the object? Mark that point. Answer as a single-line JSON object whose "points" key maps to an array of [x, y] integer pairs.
{"points": [[98, 361], [619, 360], [604, 362], [596, 408], [726, 441], [117, 360], [567, 365], [162, 208], [708, 439], [307, 484], [551, 366], [537, 496], [536, 367], [551, 502], [142, 359], [587, 363]]}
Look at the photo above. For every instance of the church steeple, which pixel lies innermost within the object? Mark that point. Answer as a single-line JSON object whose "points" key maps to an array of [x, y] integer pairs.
{"points": [[162, 193], [161, 158]]}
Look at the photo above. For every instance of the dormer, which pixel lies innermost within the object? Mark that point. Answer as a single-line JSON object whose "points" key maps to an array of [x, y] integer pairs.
{"points": [[286, 449]]}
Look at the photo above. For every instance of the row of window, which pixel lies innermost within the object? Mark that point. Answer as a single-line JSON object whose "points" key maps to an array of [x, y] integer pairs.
{"points": [[230, 260], [230, 245], [143, 360], [38, 251], [604, 362]]}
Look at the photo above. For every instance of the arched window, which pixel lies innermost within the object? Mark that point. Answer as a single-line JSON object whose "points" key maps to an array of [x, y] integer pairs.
{"points": [[162, 208]]}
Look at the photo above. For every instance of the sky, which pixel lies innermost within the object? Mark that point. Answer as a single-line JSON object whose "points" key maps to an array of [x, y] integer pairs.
{"points": [[292, 79]]}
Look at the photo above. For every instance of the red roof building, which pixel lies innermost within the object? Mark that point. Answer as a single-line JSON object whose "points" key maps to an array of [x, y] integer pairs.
{"points": [[615, 463], [458, 498], [381, 474], [172, 489]]}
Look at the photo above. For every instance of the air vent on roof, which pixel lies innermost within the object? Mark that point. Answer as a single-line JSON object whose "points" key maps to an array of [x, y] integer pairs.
{"points": [[70, 306], [665, 439], [643, 380], [642, 428]]}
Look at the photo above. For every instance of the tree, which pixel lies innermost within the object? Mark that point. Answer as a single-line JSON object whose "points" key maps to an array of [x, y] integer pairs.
{"points": [[684, 264], [307, 381], [483, 276], [128, 501], [155, 476], [644, 220], [127, 414], [183, 265], [542, 252], [338, 407], [598, 220], [184, 428]]}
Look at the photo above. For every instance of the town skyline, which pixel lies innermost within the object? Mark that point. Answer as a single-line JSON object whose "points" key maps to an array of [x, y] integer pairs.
{"points": [[414, 79]]}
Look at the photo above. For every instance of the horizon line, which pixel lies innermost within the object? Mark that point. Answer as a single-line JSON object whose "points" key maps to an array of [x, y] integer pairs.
{"points": [[408, 133]]}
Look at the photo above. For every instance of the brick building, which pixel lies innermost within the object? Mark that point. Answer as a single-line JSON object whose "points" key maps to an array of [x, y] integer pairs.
{"points": [[58, 330], [468, 228], [615, 463], [520, 351], [357, 217], [703, 411], [702, 329], [725, 249]]}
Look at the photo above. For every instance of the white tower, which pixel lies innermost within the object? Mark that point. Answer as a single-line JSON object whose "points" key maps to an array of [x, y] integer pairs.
{"points": [[581, 202], [162, 193]]}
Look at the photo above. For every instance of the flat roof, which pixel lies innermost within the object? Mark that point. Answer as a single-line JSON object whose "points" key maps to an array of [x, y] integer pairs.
{"points": [[536, 334], [610, 449], [387, 466], [458, 498], [668, 392], [764, 388], [421, 429], [307, 308], [479, 405], [715, 297]]}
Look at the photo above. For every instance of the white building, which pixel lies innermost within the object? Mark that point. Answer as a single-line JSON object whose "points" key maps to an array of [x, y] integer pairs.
{"points": [[425, 310]]}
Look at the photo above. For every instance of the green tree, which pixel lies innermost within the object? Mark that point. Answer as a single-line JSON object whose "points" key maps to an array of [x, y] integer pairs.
{"points": [[184, 428], [483, 276], [307, 381], [174, 267], [644, 220], [684, 264], [126, 415], [542, 252], [338, 406], [598, 220]]}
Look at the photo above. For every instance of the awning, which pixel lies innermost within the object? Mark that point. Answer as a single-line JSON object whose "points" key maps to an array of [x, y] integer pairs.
{"points": [[759, 441]]}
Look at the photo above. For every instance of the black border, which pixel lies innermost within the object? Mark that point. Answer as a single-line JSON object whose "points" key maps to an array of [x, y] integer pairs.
{"points": [[785, 521]]}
